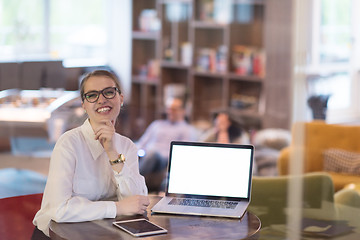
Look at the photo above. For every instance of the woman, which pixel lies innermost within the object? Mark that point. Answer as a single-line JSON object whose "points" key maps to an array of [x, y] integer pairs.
{"points": [[225, 131], [92, 163]]}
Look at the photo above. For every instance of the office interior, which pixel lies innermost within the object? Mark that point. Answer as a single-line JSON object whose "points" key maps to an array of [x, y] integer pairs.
{"points": [[287, 71]]}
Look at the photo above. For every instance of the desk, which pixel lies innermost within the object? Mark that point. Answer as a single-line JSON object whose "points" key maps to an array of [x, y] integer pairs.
{"points": [[178, 226]]}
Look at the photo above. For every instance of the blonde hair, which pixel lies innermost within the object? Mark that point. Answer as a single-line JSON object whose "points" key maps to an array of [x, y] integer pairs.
{"points": [[98, 73]]}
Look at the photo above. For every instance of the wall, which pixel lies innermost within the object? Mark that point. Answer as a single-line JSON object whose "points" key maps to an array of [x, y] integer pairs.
{"points": [[119, 52], [278, 45]]}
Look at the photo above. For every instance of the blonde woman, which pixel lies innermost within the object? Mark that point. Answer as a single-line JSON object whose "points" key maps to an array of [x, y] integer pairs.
{"points": [[92, 163]]}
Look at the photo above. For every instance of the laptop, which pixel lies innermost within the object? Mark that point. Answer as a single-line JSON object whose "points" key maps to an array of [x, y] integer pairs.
{"points": [[207, 179]]}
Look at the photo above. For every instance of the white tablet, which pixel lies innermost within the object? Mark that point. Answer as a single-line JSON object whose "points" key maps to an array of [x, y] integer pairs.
{"points": [[139, 227]]}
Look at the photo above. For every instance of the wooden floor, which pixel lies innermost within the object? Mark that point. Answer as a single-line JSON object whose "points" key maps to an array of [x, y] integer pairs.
{"points": [[21, 175]]}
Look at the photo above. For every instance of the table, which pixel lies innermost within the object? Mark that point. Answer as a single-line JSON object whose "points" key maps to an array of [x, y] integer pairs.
{"points": [[178, 226]]}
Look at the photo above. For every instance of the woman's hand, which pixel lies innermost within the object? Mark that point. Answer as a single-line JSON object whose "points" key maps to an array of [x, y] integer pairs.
{"points": [[105, 134], [132, 205]]}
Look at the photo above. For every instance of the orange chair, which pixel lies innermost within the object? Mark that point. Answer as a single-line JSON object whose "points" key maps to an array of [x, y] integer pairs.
{"points": [[316, 137]]}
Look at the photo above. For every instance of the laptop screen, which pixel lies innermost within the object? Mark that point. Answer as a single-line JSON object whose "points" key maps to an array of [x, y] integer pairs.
{"points": [[210, 169]]}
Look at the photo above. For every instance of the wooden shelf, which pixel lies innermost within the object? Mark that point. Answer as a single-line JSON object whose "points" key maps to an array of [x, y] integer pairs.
{"points": [[245, 112], [145, 80], [177, 1], [145, 35], [234, 76], [209, 41], [172, 64], [209, 74], [254, 2], [208, 25]]}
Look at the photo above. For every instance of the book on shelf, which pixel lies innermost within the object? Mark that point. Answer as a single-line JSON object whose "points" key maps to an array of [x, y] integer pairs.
{"points": [[248, 61], [150, 70], [212, 60], [217, 11], [148, 21], [186, 53], [240, 101]]}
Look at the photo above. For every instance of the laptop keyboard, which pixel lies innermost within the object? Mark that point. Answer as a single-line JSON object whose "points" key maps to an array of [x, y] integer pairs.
{"points": [[203, 203]]}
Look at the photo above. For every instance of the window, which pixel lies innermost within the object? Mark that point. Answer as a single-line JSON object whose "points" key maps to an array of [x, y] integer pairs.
{"points": [[78, 32], [53, 29], [335, 32], [22, 29], [333, 60]]}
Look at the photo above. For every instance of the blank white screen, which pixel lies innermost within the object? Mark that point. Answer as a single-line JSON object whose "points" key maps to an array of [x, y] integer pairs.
{"points": [[214, 171]]}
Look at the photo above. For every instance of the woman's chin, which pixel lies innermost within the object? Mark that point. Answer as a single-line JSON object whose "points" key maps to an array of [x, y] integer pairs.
{"points": [[102, 117]]}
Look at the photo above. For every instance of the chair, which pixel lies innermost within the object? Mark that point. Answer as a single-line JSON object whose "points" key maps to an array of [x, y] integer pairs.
{"points": [[270, 195], [269, 199], [47, 74], [317, 136], [17, 214], [9, 75]]}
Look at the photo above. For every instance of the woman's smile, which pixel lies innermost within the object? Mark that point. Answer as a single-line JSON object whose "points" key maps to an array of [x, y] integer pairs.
{"points": [[104, 109]]}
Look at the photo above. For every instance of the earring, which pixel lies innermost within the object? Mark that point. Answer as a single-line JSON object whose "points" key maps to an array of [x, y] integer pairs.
{"points": [[122, 104], [85, 111]]}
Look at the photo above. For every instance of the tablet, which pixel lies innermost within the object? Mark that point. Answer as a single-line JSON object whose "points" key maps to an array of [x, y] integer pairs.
{"points": [[139, 227]]}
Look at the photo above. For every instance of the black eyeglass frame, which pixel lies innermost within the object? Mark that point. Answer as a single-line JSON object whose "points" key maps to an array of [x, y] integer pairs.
{"points": [[101, 92]]}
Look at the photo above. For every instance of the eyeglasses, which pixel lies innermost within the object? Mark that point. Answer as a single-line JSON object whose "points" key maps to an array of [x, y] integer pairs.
{"points": [[108, 93]]}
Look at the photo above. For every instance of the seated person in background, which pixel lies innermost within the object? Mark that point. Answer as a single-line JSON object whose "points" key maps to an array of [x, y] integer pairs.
{"points": [[87, 166], [155, 142], [225, 131]]}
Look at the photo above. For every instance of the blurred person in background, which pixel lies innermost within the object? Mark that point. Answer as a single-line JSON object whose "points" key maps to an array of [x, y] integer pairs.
{"points": [[154, 144], [225, 130]]}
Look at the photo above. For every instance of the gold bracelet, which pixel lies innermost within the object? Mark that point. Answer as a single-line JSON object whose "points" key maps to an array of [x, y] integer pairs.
{"points": [[120, 159]]}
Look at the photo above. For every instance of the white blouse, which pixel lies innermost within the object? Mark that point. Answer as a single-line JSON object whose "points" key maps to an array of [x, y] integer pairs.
{"points": [[81, 178]]}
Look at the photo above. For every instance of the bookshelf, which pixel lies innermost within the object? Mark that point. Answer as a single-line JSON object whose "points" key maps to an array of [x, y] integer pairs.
{"points": [[214, 49]]}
